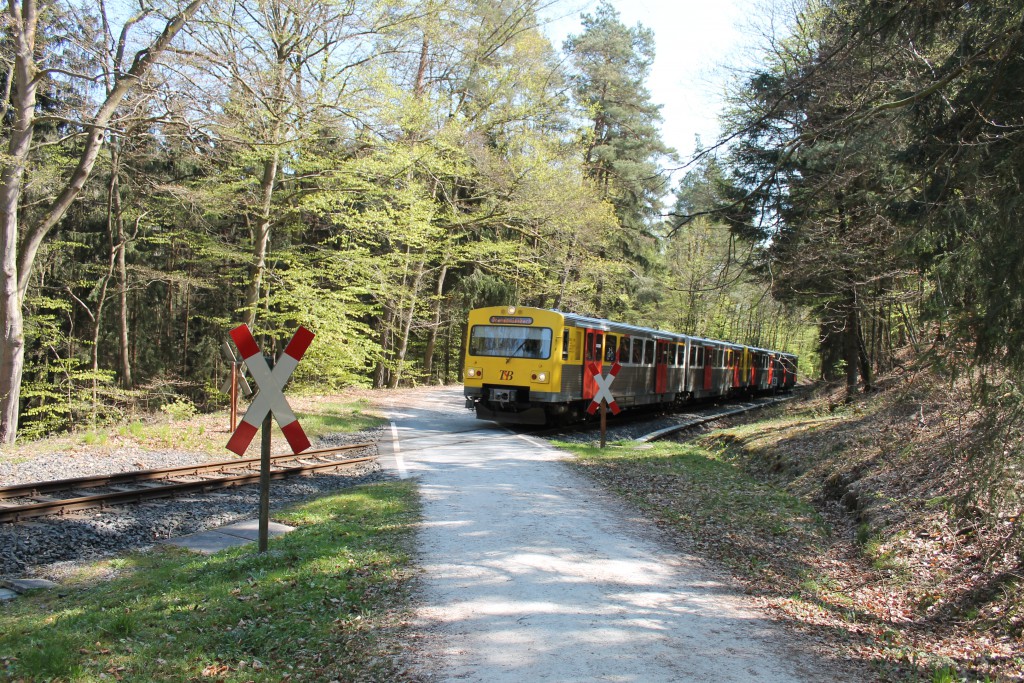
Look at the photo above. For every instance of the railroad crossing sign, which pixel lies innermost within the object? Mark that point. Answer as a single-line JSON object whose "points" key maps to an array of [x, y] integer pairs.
{"points": [[271, 384], [239, 375], [604, 387]]}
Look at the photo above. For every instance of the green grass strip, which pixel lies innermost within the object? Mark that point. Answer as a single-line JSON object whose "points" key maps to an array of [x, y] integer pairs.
{"points": [[754, 527], [322, 604]]}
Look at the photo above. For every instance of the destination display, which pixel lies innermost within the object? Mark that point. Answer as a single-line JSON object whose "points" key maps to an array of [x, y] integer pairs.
{"points": [[510, 320]]}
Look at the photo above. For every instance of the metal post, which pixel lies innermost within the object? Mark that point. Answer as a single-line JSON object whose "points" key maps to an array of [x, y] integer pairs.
{"points": [[604, 420], [264, 532], [234, 396]]}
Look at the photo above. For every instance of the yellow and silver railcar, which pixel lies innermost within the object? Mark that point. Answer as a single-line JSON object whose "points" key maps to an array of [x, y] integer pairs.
{"points": [[530, 366]]}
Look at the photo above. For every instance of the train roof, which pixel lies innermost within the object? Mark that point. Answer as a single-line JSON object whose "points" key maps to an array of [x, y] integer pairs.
{"points": [[624, 328]]}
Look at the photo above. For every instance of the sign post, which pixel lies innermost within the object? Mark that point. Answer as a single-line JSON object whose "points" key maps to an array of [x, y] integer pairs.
{"points": [[603, 399], [264, 531], [270, 380], [236, 383], [234, 397]]}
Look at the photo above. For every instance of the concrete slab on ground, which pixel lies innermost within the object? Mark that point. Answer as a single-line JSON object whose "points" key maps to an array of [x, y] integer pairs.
{"points": [[23, 585], [230, 536]]}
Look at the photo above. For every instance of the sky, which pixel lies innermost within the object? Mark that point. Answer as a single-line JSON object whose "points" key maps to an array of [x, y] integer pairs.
{"points": [[693, 38]]}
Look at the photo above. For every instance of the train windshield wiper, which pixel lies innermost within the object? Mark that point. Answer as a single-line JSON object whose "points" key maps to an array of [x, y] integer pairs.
{"points": [[518, 349]]}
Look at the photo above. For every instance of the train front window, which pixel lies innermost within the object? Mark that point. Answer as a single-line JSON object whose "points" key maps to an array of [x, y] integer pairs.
{"points": [[507, 341]]}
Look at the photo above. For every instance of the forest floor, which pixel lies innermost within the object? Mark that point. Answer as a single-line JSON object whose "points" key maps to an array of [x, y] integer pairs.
{"points": [[847, 520]]}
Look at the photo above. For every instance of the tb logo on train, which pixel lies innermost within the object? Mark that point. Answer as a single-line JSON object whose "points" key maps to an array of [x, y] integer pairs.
{"points": [[528, 365]]}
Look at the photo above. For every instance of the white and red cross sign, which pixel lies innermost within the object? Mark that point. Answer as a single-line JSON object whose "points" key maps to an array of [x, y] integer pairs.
{"points": [[271, 384], [604, 387]]}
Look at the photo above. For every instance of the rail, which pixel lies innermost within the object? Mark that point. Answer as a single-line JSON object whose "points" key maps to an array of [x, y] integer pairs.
{"points": [[160, 483]]}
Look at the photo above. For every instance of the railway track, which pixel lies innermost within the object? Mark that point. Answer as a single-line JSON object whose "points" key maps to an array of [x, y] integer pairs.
{"points": [[62, 496], [631, 426], [698, 420]]}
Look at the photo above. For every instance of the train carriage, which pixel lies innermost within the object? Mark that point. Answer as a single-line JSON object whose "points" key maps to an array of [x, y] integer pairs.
{"points": [[533, 366]]}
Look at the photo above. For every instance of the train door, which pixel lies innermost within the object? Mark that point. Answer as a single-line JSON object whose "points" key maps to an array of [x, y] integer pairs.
{"points": [[593, 351], [709, 362], [661, 368]]}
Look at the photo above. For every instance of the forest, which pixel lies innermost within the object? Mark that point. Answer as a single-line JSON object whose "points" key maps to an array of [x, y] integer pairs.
{"points": [[373, 169], [369, 169]]}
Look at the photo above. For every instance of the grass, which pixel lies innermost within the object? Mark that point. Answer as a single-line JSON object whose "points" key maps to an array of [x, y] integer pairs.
{"points": [[331, 418], [754, 527], [204, 433], [322, 604]]}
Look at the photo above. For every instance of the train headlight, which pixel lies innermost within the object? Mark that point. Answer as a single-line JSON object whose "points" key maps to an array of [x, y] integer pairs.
{"points": [[541, 377], [474, 373]]}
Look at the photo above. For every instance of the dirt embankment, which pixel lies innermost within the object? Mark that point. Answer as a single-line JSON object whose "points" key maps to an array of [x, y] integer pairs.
{"points": [[922, 570]]}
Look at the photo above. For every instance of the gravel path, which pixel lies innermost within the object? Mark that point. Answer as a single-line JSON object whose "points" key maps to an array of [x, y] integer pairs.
{"points": [[49, 547], [532, 572]]}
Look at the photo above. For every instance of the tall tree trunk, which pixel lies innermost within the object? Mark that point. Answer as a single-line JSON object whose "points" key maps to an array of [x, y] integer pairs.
{"points": [[122, 292], [428, 354], [381, 375], [261, 234], [115, 222], [851, 345], [403, 345], [12, 355]]}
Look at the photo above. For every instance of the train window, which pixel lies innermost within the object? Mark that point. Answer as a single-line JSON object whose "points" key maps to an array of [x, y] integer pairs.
{"points": [[624, 350], [693, 357], [681, 354], [638, 351], [565, 344], [598, 346], [611, 344], [590, 346], [649, 351], [719, 358], [510, 341]]}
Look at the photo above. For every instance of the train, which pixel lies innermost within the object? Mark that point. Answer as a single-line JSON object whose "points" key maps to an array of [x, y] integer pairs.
{"points": [[536, 366]]}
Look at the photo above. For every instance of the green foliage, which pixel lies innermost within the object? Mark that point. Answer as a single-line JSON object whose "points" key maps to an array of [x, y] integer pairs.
{"points": [[179, 410], [59, 391], [844, 158]]}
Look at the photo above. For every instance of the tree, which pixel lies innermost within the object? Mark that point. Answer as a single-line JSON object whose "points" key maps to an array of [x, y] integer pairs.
{"points": [[876, 167], [623, 146], [17, 256]]}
